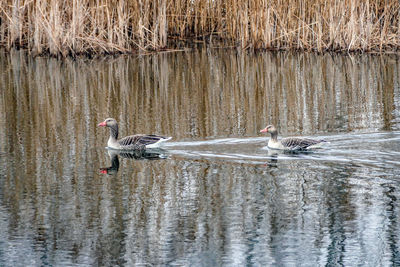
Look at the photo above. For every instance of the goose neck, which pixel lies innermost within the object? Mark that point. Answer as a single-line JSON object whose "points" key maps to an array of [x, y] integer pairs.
{"points": [[274, 136], [114, 132]]}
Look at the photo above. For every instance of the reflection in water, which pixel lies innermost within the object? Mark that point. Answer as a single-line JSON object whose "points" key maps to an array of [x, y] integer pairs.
{"points": [[149, 154], [213, 201]]}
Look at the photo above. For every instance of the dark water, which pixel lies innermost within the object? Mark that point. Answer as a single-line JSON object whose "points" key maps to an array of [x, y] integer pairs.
{"points": [[215, 195]]}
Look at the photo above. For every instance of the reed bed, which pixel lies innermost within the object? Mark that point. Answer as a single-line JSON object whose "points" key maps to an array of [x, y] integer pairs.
{"points": [[73, 27]]}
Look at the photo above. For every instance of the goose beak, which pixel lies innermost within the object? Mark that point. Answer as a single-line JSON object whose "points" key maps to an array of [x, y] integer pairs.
{"points": [[265, 130], [102, 124]]}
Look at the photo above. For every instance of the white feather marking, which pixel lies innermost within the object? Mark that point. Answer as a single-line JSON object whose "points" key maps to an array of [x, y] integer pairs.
{"points": [[158, 143]]}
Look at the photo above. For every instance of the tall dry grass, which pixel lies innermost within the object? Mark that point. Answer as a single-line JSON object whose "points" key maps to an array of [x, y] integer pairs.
{"points": [[73, 27]]}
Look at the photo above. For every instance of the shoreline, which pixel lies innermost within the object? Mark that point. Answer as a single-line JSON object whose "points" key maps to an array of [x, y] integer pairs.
{"points": [[191, 49]]}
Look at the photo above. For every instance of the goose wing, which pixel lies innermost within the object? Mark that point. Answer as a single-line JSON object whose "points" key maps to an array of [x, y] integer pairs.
{"points": [[294, 143], [139, 141]]}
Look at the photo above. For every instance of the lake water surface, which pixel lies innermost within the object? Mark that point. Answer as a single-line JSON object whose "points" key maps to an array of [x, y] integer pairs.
{"points": [[215, 195]]}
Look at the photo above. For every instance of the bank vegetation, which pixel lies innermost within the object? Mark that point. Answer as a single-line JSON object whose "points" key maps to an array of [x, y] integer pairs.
{"points": [[72, 27]]}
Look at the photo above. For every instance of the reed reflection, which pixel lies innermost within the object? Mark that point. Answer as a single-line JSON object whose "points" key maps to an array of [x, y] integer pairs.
{"points": [[198, 95]]}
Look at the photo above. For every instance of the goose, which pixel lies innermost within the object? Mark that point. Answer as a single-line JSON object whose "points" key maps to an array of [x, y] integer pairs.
{"points": [[290, 143], [132, 142]]}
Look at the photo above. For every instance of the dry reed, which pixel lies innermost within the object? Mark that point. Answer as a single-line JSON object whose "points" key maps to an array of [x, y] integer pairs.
{"points": [[114, 26]]}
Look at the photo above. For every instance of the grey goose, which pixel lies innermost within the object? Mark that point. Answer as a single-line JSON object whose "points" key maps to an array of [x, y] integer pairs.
{"points": [[132, 142], [290, 143]]}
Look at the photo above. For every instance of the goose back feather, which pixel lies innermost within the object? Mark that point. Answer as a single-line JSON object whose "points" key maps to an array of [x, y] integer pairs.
{"points": [[295, 143], [141, 141]]}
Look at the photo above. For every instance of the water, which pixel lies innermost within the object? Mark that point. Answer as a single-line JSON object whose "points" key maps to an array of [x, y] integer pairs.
{"points": [[214, 195]]}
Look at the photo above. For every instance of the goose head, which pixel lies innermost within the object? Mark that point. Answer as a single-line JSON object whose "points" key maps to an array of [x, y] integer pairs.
{"points": [[110, 122], [269, 129]]}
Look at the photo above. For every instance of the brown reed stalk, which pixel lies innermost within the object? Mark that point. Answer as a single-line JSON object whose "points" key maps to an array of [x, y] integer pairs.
{"points": [[73, 27]]}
